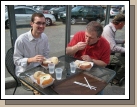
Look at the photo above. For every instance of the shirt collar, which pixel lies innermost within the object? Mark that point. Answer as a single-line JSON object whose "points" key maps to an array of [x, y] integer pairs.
{"points": [[31, 38], [112, 26]]}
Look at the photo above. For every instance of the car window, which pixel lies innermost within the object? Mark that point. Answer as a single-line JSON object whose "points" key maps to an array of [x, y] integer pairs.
{"points": [[85, 9], [61, 9], [95, 10], [29, 11], [77, 8], [90, 10], [47, 7], [115, 10], [19, 11]]}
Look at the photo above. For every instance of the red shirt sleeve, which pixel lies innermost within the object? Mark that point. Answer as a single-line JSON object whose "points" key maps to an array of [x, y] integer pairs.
{"points": [[78, 37]]}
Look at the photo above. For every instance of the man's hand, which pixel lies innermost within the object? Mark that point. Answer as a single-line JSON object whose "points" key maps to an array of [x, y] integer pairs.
{"points": [[37, 58], [86, 58], [81, 45]]}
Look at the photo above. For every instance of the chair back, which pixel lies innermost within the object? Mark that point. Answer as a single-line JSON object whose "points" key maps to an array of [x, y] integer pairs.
{"points": [[10, 64]]}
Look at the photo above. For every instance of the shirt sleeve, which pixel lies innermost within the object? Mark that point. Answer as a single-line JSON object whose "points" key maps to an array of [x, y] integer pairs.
{"points": [[18, 57], [119, 41], [113, 46], [76, 38]]}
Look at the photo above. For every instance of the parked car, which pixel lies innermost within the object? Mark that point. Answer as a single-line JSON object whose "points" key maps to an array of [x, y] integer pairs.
{"points": [[23, 16], [61, 13], [39, 8], [84, 14], [55, 11], [47, 8], [119, 7], [113, 11]]}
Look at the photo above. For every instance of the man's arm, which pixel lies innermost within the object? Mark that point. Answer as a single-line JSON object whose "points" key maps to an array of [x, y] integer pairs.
{"points": [[96, 62], [99, 62], [71, 50], [113, 46], [18, 58]]}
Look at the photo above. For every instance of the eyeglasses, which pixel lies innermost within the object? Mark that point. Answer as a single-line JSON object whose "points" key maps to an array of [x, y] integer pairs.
{"points": [[40, 23]]}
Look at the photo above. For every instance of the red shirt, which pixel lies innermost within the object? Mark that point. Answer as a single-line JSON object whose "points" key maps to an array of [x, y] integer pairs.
{"points": [[98, 51]]}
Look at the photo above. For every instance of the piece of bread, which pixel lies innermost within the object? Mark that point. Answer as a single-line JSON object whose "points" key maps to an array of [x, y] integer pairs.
{"points": [[85, 65], [54, 60], [77, 62], [42, 78], [46, 62], [38, 73]]}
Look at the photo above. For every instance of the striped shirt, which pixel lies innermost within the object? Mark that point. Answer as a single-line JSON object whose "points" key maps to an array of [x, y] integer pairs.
{"points": [[109, 33], [26, 46]]}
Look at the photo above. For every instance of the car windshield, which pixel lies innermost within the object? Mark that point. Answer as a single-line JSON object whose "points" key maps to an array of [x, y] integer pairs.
{"points": [[47, 7], [77, 8], [115, 10]]}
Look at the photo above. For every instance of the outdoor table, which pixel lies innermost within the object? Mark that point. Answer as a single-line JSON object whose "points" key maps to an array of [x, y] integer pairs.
{"points": [[96, 75]]}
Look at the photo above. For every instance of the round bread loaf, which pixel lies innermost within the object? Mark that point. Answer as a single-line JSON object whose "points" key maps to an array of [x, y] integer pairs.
{"points": [[85, 65], [44, 79], [46, 62], [37, 74], [54, 60]]}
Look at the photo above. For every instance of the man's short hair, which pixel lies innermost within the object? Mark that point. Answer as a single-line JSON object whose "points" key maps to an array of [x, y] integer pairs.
{"points": [[36, 15], [94, 26], [118, 18]]}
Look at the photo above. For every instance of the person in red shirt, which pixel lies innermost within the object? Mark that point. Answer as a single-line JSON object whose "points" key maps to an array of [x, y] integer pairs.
{"points": [[89, 45]]}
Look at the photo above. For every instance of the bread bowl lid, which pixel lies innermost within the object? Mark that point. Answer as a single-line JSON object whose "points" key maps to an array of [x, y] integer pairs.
{"points": [[79, 62], [48, 60], [42, 86]]}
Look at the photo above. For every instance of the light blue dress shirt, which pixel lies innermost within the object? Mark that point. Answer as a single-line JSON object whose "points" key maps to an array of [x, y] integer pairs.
{"points": [[109, 33], [26, 46]]}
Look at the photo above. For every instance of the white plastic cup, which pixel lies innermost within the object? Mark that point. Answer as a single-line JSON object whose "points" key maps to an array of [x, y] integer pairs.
{"points": [[58, 72], [51, 67], [72, 67]]}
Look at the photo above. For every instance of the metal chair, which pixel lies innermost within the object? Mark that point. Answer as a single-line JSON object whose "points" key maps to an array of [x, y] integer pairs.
{"points": [[11, 67], [118, 66]]}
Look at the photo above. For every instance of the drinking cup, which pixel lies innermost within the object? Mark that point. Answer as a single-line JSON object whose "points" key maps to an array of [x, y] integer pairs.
{"points": [[72, 67], [58, 72], [51, 67]]}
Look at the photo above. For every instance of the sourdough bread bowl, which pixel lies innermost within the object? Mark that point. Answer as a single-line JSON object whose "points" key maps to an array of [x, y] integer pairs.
{"points": [[50, 60], [43, 78], [85, 65]]}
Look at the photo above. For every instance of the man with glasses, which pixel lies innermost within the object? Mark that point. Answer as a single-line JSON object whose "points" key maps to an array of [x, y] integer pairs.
{"points": [[32, 47], [109, 32]]}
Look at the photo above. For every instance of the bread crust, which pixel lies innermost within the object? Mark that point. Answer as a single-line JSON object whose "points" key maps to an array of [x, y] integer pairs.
{"points": [[46, 62], [53, 60], [36, 74], [85, 65], [42, 78]]}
